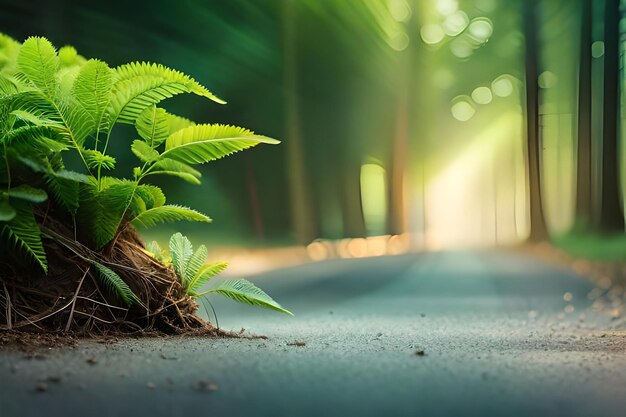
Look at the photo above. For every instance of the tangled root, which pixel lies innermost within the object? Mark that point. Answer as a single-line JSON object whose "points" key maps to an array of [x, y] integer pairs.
{"points": [[71, 297]]}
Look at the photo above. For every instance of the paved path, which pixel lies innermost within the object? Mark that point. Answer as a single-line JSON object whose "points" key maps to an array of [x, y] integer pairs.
{"points": [[491, 324]]}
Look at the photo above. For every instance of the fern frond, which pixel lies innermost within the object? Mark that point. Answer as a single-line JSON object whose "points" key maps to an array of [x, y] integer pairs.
{"points": [[116, 284], [69, 57], [180, 251], [246, 292], [177, 123], [147, 197], [92, 92], [23, 231], [153, 126], [204, 275], [154, 249], [9, 48], [136, 70], [96, 159], [195, 263], [140, 85], [166, 166], [38, 61], [65, 188], [104, 210], [208, 142], [144, 151], [168, 214]]}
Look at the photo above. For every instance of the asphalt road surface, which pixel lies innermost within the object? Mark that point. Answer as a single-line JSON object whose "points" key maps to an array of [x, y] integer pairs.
{"points": [[434, 334]]}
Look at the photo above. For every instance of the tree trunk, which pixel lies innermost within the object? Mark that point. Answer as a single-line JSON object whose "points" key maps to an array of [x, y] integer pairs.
{"points": [[301, 216], [538, 231], [583, 178], [611, 215]]}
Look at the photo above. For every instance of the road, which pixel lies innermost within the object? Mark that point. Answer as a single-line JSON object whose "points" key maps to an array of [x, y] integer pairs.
{"points": [[497, 337]]}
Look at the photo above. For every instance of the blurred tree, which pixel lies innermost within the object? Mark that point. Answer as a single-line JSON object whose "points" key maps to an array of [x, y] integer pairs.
{"points": [[611, 214], [538, 230], [302, 219], [583, 177]]}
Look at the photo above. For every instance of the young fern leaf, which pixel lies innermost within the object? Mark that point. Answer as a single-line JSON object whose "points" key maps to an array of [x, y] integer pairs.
{"points": [[140, 85], [144, 151], [246, 292], [96, 159], [177, 123], [38, 61], [208, 142], [23, 231], [204, 275], [151, 195], [154, 249], [180, 251], [153, 126], [193, 265], [166, 166], [168, 214], [92, 93], [104, 210], [116, 284]]}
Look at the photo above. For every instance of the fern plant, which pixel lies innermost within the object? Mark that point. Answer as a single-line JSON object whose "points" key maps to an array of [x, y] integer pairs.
{"points": [[194, 274], [55, 103]]}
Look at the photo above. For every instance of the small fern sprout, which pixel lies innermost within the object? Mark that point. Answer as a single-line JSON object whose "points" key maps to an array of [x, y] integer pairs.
{"points": [[194, 275]]}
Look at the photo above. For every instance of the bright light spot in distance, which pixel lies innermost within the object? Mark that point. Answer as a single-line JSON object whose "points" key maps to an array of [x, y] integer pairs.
{"points": [[547, 79], [481, 29], [399, 9], [374, 198], [432, 34], [482, 95], [447, 7], [462, 110], [455, 23], [461, 48], [399, 42], [597, 49], [502, 86]]}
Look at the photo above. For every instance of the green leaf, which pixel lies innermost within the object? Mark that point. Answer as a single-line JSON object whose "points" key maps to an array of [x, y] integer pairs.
{"points": [[180, 251], [166, 166], [151, 195], [194, 264], [116, 284], [177, 123], [152, 125], [7, 212], [104, 210], [204, 275], [92, 93], [65, 188], [208, 142], [167, 214], [246, 292], [143, 151], [139, 85], [28, 193], [96, 159], [157, 253], [39, 62], [23, 231]]}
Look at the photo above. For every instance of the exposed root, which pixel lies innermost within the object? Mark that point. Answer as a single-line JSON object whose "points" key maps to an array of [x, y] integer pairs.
{"points": [[71, 298]]}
